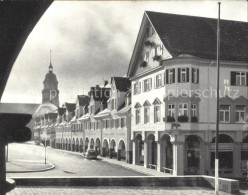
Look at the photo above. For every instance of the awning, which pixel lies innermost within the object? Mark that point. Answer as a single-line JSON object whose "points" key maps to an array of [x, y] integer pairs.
{"points": [[84, 117], [103, 114], [73, 120], [124, 110]]}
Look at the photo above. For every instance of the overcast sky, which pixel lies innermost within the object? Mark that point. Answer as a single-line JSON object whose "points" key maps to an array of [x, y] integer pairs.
{"points": [[92, 41]]}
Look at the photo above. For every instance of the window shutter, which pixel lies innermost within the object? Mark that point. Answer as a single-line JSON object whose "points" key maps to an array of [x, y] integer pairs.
{"points": [[173, 70], [155, 82], [150, 82], [233, 78], [192, 75], [247, 79], [178, 75], [163, 75], [197, 75], [187, 73], [167, 75]]}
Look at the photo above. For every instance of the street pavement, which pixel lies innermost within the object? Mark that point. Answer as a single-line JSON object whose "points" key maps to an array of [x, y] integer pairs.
{"points": [[111, 190], [66, 164]]}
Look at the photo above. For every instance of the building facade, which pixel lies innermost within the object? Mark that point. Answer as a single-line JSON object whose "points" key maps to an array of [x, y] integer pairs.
{"points": [[163, 114], [174, 98]]}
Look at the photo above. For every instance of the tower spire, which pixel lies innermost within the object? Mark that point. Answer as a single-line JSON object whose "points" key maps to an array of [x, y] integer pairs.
{"points": [[50, 66]]}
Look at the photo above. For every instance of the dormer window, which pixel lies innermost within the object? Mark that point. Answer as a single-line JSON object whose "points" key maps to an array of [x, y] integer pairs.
{"points": [[150, 31], [146, 57]]}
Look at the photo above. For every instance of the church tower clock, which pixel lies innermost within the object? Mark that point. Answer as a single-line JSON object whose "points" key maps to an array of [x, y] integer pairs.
{"points": [[50, 92]]}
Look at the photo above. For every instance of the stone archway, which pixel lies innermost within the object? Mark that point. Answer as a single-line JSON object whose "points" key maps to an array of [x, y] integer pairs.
{"points": [[92, 143], [121, 153], [98, 146], [81, 145], [86, 144], [151, 153], [77, 145], [105, 148], [166, 154], [139, 150], [112, 150], [73, 145], [193, 151], [226, 160]]}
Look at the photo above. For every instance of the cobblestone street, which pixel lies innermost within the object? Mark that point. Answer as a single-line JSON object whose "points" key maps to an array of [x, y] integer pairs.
{"points": [[110, 190]]}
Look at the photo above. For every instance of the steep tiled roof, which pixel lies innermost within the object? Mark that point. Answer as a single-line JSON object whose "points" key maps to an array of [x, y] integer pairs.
{"points": [[100, 94], [122, 83], [61, 111], [70, 106], [197, 36], [83, 100]]}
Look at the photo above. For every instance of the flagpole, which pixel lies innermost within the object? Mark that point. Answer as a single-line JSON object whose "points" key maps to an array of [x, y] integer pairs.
{"points": [[217, 114]]}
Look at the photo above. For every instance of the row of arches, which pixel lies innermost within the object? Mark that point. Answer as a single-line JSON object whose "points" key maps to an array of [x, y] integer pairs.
{"points": [[106, 148], [194, 148]]}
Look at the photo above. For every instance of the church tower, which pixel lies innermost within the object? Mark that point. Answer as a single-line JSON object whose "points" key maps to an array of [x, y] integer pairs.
{"points": [[50, 92]]}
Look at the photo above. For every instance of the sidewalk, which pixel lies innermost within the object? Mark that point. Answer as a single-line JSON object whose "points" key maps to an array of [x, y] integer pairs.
{"points": [[138, 168], [24, 166]]}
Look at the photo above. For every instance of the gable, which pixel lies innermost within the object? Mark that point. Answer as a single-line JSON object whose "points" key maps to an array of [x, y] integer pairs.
{"points": [[148, 51]]}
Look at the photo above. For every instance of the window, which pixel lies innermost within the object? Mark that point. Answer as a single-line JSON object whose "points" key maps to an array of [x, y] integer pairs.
{"points": [[195, 75], [147, 84], [150, 31], [159, 80], [171, 110], [137, 116], [183, 75], [183, 109], [239, 78], [240, 114], [146, 115], [123, 122], [157, 113], [170, 76], [224, 113], [159, 50], [153, 52], [113, 104], [193, 110], [137, 88], [146, 57]]}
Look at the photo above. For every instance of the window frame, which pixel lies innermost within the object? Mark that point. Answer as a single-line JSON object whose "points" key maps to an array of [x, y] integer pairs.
{"points": [[171, 111], [137, 116], [147, 117], [239, 114], [157, 118], [224, 113], [183, 109]]}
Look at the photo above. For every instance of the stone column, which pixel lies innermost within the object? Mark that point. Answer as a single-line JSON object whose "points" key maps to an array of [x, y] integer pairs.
{"points": [[134, 153], [159, 157], [206, 158], [178, 158], [237, 159], [146, 154]]}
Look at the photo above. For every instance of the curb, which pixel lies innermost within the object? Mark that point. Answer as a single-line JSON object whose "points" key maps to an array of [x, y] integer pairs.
{"points": [[39, 170]]}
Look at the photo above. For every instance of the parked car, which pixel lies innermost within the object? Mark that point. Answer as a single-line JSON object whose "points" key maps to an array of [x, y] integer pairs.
{"points": [[90, 154]]}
